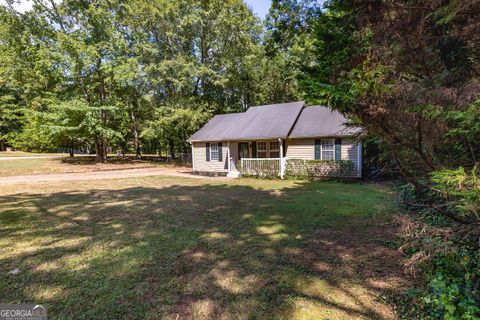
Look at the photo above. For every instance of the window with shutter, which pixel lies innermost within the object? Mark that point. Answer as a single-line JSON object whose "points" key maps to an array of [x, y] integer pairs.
{"points": [[328, 152], [214, 151], [220, 151]]}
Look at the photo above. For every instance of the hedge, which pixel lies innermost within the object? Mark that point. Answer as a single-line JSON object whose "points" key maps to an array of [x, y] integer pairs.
{"points": [[317, 169]]}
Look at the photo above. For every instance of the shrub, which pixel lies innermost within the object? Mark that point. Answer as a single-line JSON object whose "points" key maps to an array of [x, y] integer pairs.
{"points": [[266, 169], [316, 169], [444, 244], [451, 291]]}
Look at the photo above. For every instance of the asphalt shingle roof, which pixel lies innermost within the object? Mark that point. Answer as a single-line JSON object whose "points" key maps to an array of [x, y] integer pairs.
{"points": [[321, 121], [263, 122], [275, 121]]}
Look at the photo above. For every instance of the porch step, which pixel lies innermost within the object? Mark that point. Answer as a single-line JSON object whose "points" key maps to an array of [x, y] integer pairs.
{"points": [[234, 174]]}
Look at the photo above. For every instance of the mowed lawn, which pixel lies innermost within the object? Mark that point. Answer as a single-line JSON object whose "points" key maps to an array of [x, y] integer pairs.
{"points": [[181, 248], [10, 154], [34, 166]]}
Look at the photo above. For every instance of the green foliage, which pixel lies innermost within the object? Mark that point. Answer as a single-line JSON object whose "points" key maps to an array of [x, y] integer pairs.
{"points": [[132, 64], [172, 125], [445, 251], [264, 169], [458, 189], [318, 169], [452, 289]]}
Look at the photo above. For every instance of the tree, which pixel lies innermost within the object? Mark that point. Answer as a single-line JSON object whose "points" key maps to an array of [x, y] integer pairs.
{"points": [[172, 125], [402, 77]]}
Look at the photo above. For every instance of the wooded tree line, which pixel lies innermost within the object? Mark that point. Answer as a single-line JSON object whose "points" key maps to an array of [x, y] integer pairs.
{"points": [[138, 75], [409, 73], [142, 75]]}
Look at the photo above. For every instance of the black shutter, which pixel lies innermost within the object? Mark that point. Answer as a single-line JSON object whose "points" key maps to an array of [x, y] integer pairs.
{"points": [[254, 149], [220, 151], [317, 149], [207, 151], [338, 149]]}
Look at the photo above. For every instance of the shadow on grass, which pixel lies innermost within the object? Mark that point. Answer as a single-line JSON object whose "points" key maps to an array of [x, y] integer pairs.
{"points": [[201, 252]]}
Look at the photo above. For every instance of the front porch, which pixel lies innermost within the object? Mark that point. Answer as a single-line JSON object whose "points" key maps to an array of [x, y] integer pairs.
{"points": [[265, 158]]}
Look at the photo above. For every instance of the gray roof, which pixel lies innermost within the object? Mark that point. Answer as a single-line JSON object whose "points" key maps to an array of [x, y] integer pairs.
{"points": [[263, 122], [320, 121], [275, 121]]}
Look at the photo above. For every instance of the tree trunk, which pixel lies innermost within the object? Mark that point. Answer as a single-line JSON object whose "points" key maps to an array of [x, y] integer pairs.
{"points": [[99, 157], [70, 150], [172, 149], [100, 142], [135, 134]]}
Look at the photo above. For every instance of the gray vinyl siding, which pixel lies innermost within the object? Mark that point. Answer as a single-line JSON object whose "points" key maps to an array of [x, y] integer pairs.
{"points": [[202, 165], [305, 149]]}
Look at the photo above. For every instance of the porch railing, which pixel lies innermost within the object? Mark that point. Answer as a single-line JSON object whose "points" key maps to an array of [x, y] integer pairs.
{"points": [[263, 167]]}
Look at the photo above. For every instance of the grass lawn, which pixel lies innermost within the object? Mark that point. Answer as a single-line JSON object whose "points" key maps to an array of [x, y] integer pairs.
{"points": [[180, 248], [63, 165]]}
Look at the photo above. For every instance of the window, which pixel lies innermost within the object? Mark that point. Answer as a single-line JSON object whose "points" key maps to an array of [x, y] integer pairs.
{"points": [[214, 151], [328, 149], [261, 149], [274, 149]]}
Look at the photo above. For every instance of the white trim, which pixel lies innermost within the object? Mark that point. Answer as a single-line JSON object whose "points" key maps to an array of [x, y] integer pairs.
{"points": [[228, 156], [321, 148], [211, 148], [282, 169], [360, 165], [270, 150], [193, 157], [266, 149]]}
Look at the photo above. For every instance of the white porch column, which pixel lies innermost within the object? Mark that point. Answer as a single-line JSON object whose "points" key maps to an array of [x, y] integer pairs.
{"points": [[228, 156], [280, 142]]}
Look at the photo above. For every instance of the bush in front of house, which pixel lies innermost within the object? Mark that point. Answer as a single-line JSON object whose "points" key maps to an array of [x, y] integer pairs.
{"points": [[317, 169], [265, 169]]}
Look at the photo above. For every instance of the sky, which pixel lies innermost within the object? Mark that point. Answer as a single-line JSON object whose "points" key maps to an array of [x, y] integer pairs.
{"points": [[21, 6], [259, 7]]}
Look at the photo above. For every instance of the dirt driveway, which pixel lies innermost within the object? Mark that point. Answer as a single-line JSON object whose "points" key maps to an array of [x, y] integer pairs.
{"points": [[100, 175]]}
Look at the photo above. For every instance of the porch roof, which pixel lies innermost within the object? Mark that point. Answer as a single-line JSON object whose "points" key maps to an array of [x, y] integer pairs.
{"points": [[263, 122]]}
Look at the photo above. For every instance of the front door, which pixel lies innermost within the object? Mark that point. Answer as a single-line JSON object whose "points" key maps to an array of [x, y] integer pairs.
{"points": [[242, 150]]}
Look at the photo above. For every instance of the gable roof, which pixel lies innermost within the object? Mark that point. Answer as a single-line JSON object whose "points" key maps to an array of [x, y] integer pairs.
{"points": [[275, 121], [321, 121], [263, 122]]}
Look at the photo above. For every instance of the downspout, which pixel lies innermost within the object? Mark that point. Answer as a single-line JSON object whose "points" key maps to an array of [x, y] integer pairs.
{"points": [[280, 142]]}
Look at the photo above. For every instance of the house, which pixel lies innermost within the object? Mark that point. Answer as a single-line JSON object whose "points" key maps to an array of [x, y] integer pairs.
{"points": [[274, 132]]}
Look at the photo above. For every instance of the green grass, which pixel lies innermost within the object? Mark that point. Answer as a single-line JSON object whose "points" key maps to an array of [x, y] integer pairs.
{"points": [[178, 248]]}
